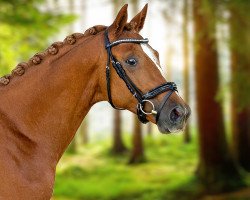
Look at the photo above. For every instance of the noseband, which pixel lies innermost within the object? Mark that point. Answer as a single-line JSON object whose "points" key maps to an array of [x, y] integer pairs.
{"points": [[142, 98]]}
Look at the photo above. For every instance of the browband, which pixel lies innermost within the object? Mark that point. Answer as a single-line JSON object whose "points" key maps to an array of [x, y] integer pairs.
{"points": [[128, 40]]}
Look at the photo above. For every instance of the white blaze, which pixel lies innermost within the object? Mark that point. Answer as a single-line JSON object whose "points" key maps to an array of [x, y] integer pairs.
{"points": [[147, 50]]}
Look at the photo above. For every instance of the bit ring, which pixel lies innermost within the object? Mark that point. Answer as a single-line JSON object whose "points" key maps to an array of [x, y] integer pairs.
{"points": [[153, 111]]}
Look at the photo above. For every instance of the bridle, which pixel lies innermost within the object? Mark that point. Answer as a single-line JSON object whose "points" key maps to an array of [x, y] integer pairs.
{"points": [[142, 98]]}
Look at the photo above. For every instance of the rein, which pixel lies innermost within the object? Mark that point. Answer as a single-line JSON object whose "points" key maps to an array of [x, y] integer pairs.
{"points": [[141, 98]]}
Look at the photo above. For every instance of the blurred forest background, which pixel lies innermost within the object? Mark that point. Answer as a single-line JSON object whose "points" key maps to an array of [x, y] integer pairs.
{"points": [[204, 47]]}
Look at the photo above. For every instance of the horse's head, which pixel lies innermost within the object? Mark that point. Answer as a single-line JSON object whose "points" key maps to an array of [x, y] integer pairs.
{"points": [[134, 77]]}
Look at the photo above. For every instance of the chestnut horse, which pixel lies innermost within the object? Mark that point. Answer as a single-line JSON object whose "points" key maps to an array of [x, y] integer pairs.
{"points": [[44, 100]]}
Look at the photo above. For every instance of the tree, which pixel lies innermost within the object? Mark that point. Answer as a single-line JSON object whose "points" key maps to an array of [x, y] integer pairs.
{"points": [[25, 29], [187, 137], [83, 130], [216, 168], [167, 15], [137, 153], [240, 69], [150, 129], [118, 144]]}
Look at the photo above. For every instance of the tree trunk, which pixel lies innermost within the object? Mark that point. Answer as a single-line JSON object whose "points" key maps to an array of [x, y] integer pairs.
{"points": [[118, 145], [149, 129], [83, 131], [187, 136], [169, 59], [170, 23], [137, 154], [240, 69], [216, 169]]}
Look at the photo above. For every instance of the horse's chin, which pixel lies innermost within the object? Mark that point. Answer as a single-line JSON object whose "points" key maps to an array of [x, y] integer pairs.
{"points": [[166, 129]]}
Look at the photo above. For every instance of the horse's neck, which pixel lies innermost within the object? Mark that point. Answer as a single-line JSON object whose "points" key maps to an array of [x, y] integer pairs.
{"points": [[45, 106]]}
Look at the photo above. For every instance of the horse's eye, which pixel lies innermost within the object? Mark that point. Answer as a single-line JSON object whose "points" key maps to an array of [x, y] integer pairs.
{"points": [[131, 61]]}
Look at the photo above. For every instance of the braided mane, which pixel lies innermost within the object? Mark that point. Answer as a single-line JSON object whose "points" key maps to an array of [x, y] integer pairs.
{"points": [[52, 50]]}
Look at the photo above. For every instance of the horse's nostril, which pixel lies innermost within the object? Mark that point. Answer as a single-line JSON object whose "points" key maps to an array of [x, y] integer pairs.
{"points": [[176, 114]]}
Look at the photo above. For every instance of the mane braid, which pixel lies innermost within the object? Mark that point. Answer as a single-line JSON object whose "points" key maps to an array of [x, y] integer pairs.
{"points": [[53, 49]]}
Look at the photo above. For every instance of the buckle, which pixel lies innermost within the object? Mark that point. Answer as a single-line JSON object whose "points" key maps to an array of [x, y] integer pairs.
{"points": [[140, 106]]}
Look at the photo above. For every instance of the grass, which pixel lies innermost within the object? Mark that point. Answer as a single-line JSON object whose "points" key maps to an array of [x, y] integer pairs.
{"points": [[93, 174]]}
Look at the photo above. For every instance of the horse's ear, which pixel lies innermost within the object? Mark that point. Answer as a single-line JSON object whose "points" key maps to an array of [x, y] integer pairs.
{"points": [[137, 22], [118, 25]]}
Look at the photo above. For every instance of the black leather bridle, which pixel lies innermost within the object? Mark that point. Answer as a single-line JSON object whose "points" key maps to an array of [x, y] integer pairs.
{"points": [[142, 98]]}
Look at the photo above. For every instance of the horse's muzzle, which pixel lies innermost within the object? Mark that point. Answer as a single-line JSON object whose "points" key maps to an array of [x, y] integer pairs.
{"points": [[173, 119]]}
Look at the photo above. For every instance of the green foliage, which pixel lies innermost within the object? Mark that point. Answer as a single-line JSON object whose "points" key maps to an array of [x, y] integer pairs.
{"points": [[94, 174], [239, 23], [241, 87], [167, 175], [25, 29]]}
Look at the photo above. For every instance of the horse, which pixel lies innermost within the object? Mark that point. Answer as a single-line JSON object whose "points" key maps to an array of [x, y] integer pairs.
{"points": [[44, 100]]}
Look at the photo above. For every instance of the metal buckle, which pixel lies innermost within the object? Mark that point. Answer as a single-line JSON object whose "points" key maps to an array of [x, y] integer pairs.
{"points": [[153, 111]]}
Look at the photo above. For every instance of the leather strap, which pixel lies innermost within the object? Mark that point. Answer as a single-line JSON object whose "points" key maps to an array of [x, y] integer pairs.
{"points": [[127, 40], [165, 99], [109, 88], [160, 89]]}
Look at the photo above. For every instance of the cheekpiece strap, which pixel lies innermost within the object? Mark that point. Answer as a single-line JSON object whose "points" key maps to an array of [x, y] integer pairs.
{"points": [[119, 69]]}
